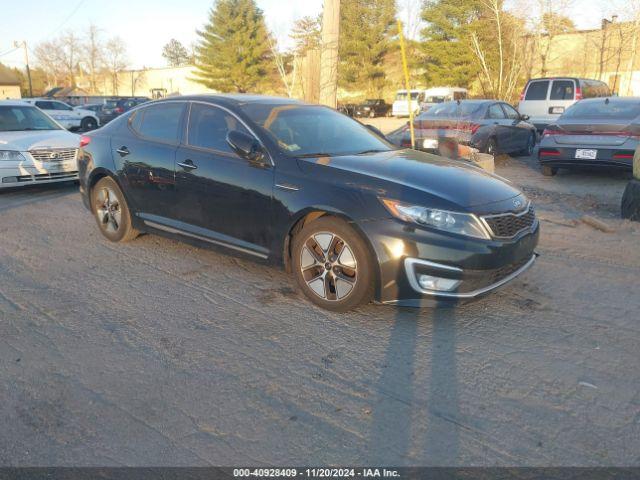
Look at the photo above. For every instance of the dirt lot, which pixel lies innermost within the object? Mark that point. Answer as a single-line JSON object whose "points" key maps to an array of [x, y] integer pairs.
{"points": [[160, 353]]}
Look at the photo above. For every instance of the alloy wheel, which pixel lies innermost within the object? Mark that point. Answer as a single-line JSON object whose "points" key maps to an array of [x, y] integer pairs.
{"points": [[108, 210], [328, 266]]}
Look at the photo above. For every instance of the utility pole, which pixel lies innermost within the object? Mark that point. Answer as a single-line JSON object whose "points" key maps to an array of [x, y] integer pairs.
{"points": [[329, 54], [23, 44]]}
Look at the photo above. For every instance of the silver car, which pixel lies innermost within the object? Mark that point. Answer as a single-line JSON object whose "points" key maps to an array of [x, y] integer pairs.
{"points": [[598, 132]]}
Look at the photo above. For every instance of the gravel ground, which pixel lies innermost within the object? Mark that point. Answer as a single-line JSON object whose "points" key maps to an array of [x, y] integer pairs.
{"points": [[160, 353]]}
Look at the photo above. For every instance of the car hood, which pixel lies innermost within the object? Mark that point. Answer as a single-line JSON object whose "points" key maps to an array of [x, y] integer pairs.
{"points": [[455, 181], [30, 140]]}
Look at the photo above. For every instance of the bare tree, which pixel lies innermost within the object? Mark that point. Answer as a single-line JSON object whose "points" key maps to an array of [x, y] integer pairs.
{"points": [[115, 60], [70, 51], [279, 59], [497, 46], [48, 56], [411, 12], [94, 55]]}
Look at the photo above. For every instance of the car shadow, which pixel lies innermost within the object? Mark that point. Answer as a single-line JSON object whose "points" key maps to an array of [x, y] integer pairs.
{"points": [[397, 436], [13, 197]]}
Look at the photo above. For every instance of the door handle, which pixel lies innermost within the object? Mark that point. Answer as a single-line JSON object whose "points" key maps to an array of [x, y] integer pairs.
{"points": [[187, 164], [123, 151]]}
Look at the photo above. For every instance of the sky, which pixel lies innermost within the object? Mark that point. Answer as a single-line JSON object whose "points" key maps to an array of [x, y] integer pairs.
{"points": [[147, 25]]}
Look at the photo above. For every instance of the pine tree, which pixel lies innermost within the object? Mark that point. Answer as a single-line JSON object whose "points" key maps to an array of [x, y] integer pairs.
{"points": [[233, 53], [175, 53], [449, 60], [307, 34], [366, 30]]}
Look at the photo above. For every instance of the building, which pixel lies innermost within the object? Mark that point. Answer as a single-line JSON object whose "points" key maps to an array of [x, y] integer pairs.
{"points": [[608, 54], [9, 85]]}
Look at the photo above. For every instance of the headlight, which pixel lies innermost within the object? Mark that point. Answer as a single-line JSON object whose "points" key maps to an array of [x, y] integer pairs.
{"points": [[461, 223], [11, 156]]}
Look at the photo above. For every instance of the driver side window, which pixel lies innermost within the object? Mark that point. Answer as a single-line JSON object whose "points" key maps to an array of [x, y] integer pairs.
{"points": [[208, 128]]}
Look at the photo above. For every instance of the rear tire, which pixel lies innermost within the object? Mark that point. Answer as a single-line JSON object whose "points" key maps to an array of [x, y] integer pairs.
{"points": [[332, 265], [111, 211], [531, 145], [491, 147], [548, 171]]}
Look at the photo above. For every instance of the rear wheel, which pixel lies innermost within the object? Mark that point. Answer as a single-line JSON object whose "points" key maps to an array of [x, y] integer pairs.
{"points": [[332, 265], [491, 147], [548, 171], [111, 211]]}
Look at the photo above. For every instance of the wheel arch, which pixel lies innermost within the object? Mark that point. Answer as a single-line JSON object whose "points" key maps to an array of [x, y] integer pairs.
{"points": [[99, 173]]}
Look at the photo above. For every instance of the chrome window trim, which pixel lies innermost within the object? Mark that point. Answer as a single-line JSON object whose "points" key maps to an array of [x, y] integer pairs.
{"points": [[410, 264], [244, 124]]}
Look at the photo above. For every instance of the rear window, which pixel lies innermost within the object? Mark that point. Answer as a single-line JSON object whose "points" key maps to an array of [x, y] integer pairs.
{"points": [[537, 90], [562, 90], [159, 122], [453, 109], [604, 109]]}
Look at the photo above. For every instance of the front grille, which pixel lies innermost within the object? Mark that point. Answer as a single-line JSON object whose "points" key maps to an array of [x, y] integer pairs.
{"points": [[47, 176], [54, 154], [508, 225]]}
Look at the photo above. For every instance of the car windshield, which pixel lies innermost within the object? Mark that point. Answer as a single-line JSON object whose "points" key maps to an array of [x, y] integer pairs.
{"points": [[304, 130], [452, 109], [403, 95], [604, 109], [370, 102], [22, 118]]}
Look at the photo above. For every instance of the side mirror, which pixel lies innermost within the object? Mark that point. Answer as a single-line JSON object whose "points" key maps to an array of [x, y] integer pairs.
{"points": [[246, 146], [524, 118]]}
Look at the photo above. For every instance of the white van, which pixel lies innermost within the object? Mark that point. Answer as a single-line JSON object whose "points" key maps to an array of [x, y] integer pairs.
{"points": [[544, 100], [433, 96], [401, 105]]}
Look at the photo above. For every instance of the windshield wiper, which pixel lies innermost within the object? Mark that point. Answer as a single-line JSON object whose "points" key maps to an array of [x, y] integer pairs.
{"points": [[373, 150]]}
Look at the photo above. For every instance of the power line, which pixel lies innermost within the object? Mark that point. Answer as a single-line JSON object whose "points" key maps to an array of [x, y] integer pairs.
{"points": [[64, 22], [9, 51]]}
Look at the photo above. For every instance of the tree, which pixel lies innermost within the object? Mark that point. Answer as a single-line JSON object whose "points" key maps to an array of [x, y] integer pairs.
{"points": [[496, 41], [48, 56], [175, 53], [233, 53], [94, 55], [449, 60], [366, 31], [115, 60], [70, 55], [306, 34]]}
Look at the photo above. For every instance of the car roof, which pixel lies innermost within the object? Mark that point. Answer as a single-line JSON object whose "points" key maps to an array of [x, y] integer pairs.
{"points": [[238, 99], [14, 103], [612, 99]]}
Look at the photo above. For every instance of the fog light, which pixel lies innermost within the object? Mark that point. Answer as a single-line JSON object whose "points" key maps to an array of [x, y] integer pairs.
{"points": [[428, 282]]}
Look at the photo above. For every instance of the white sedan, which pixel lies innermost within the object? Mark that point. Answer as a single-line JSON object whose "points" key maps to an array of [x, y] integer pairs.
{"points": [[67, 116], [34, 148]]}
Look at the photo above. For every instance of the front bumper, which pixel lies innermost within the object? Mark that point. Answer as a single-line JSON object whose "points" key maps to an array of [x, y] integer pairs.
{"points": [[480, 266], [17, 174]]}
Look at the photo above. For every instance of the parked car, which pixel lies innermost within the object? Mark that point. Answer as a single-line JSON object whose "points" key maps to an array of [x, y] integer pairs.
{"points": [[400, 106], [94, 107], [34, 148], [372, 108], [489, 125], [545, 99], [598, 132], [67, 116], [436, 95], [352, 217], [115, 107]]}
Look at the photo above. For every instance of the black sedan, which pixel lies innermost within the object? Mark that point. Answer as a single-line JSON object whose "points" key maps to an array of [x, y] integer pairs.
{"points": [[597, 132], [375, 107], [352, 217], [489, 125]]}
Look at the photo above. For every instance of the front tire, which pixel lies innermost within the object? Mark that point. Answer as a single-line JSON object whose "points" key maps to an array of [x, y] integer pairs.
{"points": [[88, 124], [111, 211], [332, 265]]}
